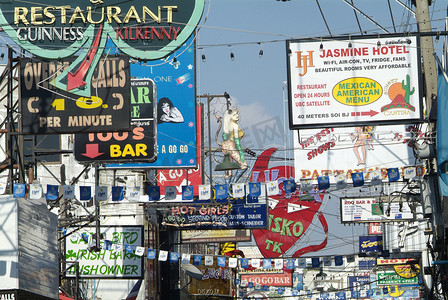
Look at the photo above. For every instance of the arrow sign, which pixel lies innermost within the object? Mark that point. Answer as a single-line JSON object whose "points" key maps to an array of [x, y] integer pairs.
{"points": [[92, 151], [75, 80], [295, 207], [370, 113]]}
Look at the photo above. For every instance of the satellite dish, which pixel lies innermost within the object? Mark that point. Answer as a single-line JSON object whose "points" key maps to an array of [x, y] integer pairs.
{"points": [[192, 271]]}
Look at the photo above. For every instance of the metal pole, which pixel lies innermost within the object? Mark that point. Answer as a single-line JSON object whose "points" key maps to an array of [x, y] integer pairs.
{"points": [[10, 122], [97, 212], [209, 99], [430, 75], [202, 144], [77, 281]]}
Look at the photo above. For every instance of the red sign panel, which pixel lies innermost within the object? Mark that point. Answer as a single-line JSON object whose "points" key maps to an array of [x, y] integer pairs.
{"points": [[375, 228], [270, 279]]}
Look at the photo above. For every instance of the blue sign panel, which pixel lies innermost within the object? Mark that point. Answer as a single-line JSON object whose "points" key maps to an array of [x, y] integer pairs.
{"points": [[174, 79], [248, 216], [357, 283], [368, 244], [297, 281]]}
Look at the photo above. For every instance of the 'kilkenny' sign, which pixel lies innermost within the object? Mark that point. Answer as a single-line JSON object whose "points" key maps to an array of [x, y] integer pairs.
{"points": [[60, 28]]}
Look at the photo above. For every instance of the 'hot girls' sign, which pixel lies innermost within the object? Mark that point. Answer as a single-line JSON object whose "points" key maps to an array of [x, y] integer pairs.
{"points": [[231, 216]]}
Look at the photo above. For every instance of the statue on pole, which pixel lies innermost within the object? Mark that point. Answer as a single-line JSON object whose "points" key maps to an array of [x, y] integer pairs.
{"points": [[231, 135]]}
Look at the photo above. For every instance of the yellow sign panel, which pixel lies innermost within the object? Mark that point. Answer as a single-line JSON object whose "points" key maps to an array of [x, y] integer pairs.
{"points": [[407, 271], [394, 261], [357, 91]]}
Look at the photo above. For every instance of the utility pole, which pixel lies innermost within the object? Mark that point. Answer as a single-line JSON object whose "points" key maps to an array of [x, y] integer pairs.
{"points": [[431, 190], [427, 51], [430, 85]]}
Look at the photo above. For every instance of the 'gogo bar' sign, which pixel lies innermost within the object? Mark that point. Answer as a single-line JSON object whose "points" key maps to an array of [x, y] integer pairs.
{"points": [[60, 28]]}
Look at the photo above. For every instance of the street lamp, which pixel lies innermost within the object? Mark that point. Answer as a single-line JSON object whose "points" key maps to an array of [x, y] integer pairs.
{"points": [[209, 99]]}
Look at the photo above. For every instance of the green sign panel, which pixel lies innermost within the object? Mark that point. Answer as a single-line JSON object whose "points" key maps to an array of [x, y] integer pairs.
{"points": [[56, 29], [390, 278]]}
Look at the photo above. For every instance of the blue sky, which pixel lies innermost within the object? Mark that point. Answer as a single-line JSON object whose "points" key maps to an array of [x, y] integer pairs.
{"points": [[247, 26]]}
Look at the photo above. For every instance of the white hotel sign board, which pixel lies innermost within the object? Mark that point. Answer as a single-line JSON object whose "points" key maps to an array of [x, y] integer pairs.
{"points": [[376, 80], [370, 209]]}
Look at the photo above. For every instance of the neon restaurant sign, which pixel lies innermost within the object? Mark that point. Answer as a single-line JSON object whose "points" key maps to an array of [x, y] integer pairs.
{"points": [[55, 29]]}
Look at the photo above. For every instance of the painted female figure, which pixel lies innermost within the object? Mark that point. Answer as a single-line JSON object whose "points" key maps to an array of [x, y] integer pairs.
{"points": [[232, 134], [167, 112]]}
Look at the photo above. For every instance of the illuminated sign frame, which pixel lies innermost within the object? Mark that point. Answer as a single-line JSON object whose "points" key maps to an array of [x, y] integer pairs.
{"points": [[139, 144], [177, 143], [47, 110], [58, 30], [231, 215]]}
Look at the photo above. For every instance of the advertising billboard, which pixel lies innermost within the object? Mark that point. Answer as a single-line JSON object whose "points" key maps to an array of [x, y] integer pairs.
{"points": [[392, 278], [370, 244], [343, 82], [139, 144], [215, 282], [225, 216], [299, 223], [179, 177], [215, 236], [176, 106], [375, 228], [46, 109], [110, 262], [330, 151], [358, 283], [373, 209], [272, 278]]}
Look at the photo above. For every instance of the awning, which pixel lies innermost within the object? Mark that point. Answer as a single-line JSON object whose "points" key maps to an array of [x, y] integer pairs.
{"points": [[64, 297]]}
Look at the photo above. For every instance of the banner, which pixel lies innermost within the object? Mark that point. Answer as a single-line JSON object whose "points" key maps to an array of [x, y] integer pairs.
{"points": [[370, 244], [373, 209], [176, 106], [75, 29], [343, 151]]}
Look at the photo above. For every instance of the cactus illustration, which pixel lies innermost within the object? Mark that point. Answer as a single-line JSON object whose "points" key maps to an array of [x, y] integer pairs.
{"points": [[407, 89]]}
